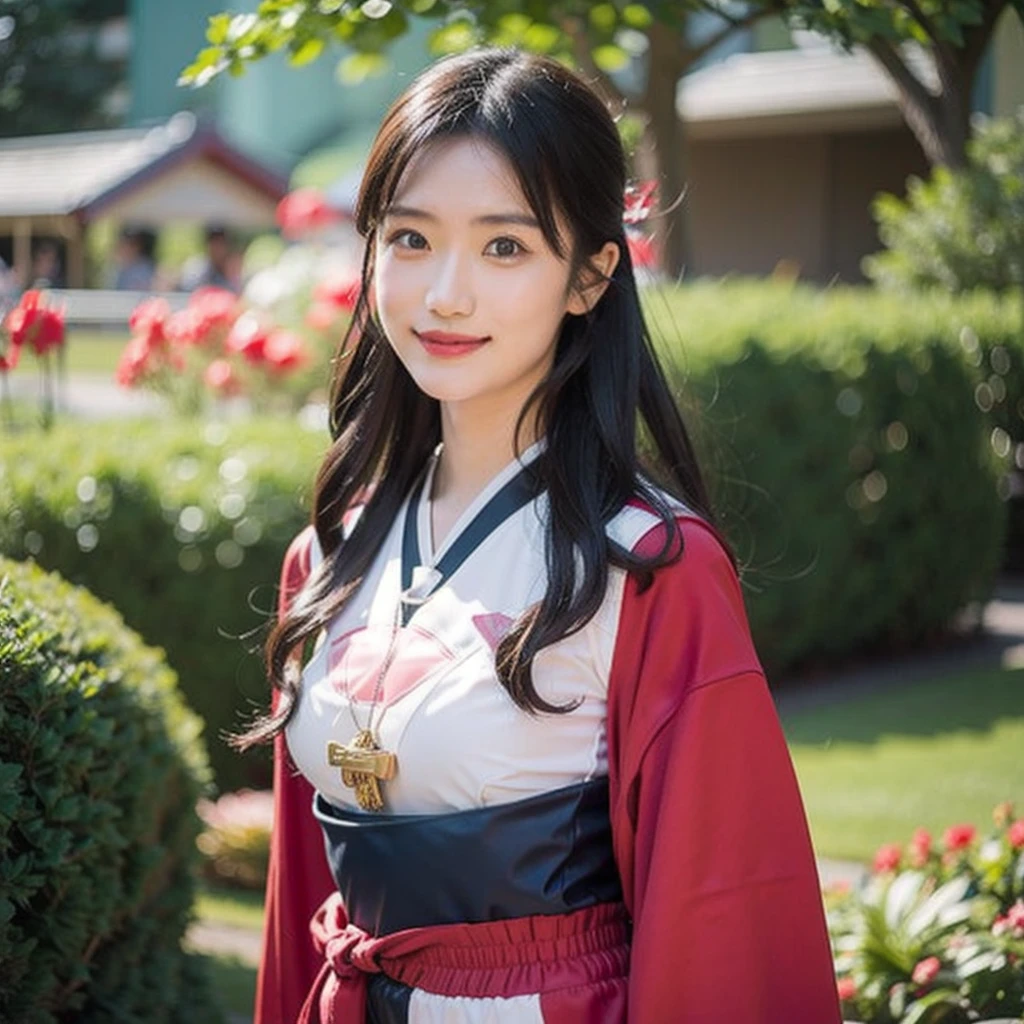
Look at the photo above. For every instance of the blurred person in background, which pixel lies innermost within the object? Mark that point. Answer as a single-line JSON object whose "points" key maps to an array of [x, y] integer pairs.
{"points": [[46, 271], [135, 267], [220, 266]]}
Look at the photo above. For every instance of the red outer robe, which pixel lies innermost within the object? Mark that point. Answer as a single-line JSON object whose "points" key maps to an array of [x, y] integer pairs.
{"points": [[709, 830]]}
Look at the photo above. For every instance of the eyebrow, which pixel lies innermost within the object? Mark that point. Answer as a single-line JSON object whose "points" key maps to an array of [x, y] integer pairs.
{"points": [[525, 219]]}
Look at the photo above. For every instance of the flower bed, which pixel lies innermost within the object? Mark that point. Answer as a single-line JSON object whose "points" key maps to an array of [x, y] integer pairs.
{"points": [[936, 936]]}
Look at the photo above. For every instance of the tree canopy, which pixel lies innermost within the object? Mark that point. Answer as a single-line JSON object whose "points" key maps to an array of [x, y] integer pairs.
{"points": [[54, 76]]}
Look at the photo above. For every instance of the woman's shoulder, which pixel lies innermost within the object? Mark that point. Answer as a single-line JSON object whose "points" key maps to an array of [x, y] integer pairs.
{"points": [[639, 528]]}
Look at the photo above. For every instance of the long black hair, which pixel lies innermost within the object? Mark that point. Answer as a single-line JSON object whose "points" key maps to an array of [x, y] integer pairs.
{"points": [[604, 388]]}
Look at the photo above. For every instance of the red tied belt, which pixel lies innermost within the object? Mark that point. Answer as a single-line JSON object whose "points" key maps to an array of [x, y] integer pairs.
{"points": [[584, 951]]}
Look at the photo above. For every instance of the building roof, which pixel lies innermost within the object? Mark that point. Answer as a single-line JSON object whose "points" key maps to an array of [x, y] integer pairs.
{"points": [[811, 88], [87, 173]]}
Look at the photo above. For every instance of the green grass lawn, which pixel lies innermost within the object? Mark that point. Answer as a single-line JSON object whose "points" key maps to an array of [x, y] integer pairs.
{"points": [[94, 353], [234, 981], [232, 978], [874, 768], [237, 908]]}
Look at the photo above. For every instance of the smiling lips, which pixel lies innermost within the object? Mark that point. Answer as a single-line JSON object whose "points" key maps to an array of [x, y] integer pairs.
{"points": [[447, 345]]}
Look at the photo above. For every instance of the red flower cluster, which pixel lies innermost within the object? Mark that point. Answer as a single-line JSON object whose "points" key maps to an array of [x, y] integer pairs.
{"points": [[214, 325], [33, 323]]}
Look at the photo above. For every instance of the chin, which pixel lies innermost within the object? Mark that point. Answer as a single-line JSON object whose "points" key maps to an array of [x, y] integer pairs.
{"points": [[445, 390]]}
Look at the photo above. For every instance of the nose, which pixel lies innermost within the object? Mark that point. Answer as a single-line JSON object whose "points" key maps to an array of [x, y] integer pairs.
{"points": [[450, 293]]}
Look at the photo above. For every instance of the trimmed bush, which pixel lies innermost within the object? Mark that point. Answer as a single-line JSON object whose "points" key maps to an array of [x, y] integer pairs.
{"points": [[853, 462], [100, 768], [182, 527]]}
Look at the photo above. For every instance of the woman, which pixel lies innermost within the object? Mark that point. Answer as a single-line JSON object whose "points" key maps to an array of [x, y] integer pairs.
{"points": [[516, 698]]}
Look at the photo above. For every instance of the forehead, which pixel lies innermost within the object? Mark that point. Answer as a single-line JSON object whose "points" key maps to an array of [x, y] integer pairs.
{"points": [[464, 174]]}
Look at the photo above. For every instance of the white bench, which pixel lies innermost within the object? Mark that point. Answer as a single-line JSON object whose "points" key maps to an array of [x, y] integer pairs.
{"points": [[99, 308]]}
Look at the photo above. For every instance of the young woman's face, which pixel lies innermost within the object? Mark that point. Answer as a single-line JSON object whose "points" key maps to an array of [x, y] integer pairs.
{"points": [[469, 293]]}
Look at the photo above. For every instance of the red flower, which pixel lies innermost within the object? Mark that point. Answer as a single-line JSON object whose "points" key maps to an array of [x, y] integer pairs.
{"points": [[33, 323], [184, 328], [248, 337], [847, 989], [302, 211], [220, 376], [213, 308], [1016, 834], [638, 201], [1015, 917], [926, 970], [284, 351], [339, 291], [959, 837], [920, 848], [134, 363], [149, 321], [9, 360], [321, 317], [888, 857]]}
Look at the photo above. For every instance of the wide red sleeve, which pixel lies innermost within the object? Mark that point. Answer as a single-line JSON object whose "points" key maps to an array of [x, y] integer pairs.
{"points": [[298, 880], [709, 828]]}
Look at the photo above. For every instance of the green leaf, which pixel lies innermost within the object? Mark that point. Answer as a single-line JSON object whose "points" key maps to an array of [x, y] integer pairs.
{"points": [[603, 17], [306, 53], [900, 896], [920, 1007], [945, 898], [217, 29], [357, 67], [453, 38], [541, 38], [610, 57], [638, 16]]}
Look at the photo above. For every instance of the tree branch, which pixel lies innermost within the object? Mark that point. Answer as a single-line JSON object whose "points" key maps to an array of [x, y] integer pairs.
{"points": [[689, 55], [919, 106]]}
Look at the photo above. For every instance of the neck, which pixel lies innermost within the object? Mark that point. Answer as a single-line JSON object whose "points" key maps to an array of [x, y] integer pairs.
{"points": [[476, 449]]}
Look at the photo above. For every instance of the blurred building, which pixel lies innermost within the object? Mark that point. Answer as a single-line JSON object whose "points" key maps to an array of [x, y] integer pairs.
{"points": [[52, 187], [788, 147]]}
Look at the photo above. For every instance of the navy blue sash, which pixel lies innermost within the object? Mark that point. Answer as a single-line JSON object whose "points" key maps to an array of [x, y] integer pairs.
{"points": [[548, 854]]}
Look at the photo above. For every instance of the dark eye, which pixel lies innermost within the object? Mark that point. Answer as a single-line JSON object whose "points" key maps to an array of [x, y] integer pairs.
{"points": [[504, 248], [409, 239]]}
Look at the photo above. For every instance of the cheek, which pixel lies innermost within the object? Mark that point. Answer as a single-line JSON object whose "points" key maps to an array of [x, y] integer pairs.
{"points": [[536, 294], [391, 289]]}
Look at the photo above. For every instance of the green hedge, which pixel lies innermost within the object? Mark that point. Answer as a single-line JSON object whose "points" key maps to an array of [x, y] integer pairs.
{"points": [[100, 768], [182, 528], [854, 463]]}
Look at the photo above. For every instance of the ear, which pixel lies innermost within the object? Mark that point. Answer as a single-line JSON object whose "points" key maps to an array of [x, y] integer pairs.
{"points": [[585, 294]]}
